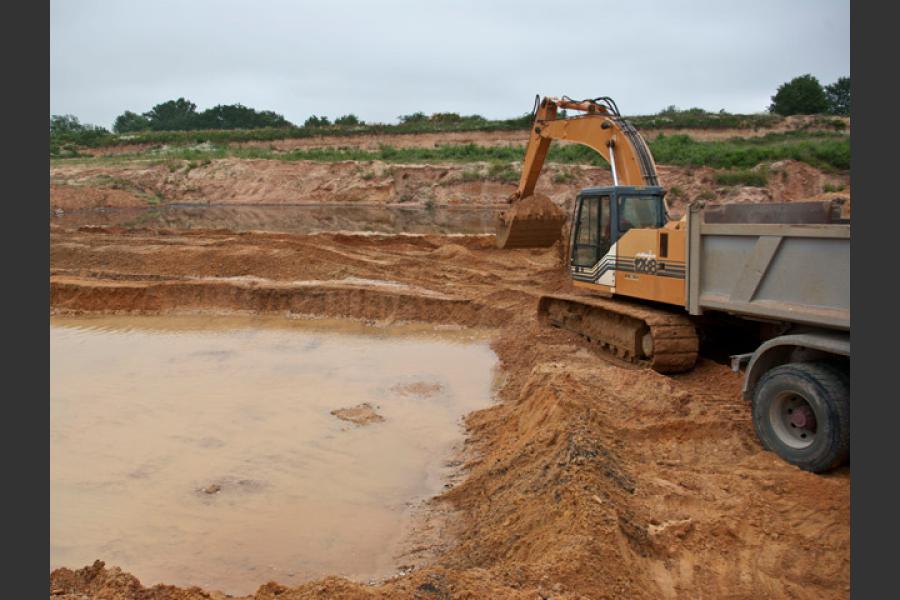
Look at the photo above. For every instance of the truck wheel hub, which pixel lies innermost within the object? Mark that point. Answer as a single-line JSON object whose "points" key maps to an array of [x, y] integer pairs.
{"points": [[792, 419], [803, 417]]}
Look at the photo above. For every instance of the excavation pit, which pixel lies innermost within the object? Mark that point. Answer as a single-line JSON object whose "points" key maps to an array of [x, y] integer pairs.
{"points": [[204, 450]]}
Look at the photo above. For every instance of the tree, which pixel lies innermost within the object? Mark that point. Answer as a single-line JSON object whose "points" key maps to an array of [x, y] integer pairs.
{"points": [[315, 121], [447, 117], [60, 124], [173, 115], [350, 120], [67, 129], [802, 95], [129, 121], [416, 117], [238, 116], [838, 96], [270, 118]]}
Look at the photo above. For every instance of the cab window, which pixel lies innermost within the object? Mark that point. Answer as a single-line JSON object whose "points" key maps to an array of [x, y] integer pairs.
{"points": [[592, 236], [639, 212]]}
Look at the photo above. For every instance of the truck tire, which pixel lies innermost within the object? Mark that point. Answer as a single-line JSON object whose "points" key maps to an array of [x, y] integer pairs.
{"points": [[801, 412]]}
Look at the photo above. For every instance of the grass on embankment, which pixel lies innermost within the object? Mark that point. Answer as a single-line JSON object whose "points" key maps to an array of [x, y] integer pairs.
{"points": [[671, 118], [827, 151]]}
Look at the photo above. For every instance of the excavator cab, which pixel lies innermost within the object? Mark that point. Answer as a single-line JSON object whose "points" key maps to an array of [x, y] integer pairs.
{"points": [[601, 216]]}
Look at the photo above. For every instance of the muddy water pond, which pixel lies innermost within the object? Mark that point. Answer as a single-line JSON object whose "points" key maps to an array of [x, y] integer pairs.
{"points": [[227, 452]]}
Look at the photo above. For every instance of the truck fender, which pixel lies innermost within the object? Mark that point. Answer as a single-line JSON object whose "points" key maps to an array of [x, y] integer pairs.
{"points": [[798, 347]]}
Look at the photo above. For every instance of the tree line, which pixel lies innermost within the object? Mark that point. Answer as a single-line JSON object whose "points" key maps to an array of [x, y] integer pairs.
{"points": [[182, 115], [801, 95]]}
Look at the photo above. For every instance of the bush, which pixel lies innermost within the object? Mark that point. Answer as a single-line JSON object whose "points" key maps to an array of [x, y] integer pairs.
{"points": [[503, 172], [350, 120], [696, 118], [315, 122], [448, 117], [822, 150], [417, 117], [749, 177], [66, 132]]}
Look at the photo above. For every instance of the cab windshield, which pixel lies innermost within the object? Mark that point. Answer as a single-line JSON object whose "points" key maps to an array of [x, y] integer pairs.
{"points": [[639, 212]]}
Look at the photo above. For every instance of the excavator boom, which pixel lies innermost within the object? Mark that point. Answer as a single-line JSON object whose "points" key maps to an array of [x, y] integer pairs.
{"points": [[534, 221]]}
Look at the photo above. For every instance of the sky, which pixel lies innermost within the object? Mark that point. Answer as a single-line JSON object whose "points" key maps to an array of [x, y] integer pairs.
{"points": [[379, 60]]}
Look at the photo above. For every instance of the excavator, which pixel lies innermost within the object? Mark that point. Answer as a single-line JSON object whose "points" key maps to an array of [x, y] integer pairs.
{"points": [[621, 241], [645, 285]]}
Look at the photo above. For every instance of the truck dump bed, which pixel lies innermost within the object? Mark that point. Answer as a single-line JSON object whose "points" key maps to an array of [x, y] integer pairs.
{"points": [[786, 262]]}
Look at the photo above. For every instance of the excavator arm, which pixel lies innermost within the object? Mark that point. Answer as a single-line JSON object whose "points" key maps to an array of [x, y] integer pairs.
{"points": [[601, 127]]}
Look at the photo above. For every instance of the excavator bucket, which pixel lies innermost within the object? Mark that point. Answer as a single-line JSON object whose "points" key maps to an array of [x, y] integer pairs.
{"points": [[534, 222]]}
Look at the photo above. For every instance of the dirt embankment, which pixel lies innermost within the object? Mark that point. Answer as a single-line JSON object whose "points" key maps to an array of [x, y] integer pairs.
{"points": [[69, 197], [235, 181], [586, 480]]}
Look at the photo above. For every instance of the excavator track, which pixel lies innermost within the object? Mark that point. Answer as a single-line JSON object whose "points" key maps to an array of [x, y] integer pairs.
{"points": [[666, 342]]}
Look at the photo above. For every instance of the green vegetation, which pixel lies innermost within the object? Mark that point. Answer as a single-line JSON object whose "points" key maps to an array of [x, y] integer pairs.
{"points": [[829, 188], [751, 177], [821, 150], [838, 96], [804, 95], [677, 192], [824, 150], [182, 115], [177, 122], [67, 133], [504, 172], [697, 118], [472, 175], [564, 177]]}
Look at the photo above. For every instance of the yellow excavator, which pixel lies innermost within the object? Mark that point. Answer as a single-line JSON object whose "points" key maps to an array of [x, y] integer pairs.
{"points": [[773, 279], [620, 242]]}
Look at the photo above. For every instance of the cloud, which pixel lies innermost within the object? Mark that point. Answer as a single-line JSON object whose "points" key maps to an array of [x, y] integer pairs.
{"points": [[381, 60]]}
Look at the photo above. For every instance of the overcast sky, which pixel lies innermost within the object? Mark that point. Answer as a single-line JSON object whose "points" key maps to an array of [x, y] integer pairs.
{"points": [[382, 59]]}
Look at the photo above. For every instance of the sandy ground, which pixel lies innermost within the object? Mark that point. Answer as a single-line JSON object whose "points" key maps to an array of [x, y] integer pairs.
{"points": [[586, 480]]}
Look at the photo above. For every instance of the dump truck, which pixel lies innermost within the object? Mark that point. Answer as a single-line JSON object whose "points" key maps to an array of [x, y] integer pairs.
{"points": [[773, 278]]}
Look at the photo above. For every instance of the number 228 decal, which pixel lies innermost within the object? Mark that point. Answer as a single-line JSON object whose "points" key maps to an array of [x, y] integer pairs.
{"points": [[645, 263]]}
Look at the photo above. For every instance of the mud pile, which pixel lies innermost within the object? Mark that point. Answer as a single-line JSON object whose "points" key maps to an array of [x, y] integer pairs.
{"points": [[533, 222]]}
